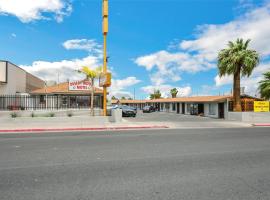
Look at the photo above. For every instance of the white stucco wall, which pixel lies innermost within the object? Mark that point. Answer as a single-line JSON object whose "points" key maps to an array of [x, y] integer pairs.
{"points": [[16, 81], [207, 110]]}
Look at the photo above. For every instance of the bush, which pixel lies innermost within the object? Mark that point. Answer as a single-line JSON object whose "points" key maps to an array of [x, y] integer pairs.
{"points": [[33, 114], [69, 114], [13, 115], [51, 115]]}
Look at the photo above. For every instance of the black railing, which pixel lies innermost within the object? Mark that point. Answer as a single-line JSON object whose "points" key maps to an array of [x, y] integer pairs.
{"points": [[47, 102]]}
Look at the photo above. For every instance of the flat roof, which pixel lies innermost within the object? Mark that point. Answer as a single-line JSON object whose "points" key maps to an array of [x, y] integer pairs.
{"points": [[21, 69]]}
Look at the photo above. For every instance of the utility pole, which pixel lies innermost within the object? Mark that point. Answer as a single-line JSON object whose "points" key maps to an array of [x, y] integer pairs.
{"points": [[105, 14]]}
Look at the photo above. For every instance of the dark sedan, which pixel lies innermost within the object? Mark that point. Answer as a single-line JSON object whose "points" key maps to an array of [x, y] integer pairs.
{"points": [[127, 111], [148, 109]]}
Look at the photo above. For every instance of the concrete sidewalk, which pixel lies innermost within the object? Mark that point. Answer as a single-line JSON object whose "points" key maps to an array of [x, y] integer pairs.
{"points": [[76, 123], [88, 123]]}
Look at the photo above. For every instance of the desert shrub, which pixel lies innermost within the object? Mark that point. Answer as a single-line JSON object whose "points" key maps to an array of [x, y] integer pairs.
{"points": [[13, 115], [51, 115], [70, 114]]}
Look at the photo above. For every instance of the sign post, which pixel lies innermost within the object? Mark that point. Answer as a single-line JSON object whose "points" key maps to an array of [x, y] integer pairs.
{"points": [[261, 106], [105, 14]]}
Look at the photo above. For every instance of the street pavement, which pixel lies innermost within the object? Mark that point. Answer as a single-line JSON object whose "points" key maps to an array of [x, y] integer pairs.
{"points": [[164, 164]]}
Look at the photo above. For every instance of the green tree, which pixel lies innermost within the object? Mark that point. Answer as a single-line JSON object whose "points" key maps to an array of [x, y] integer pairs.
{"points": [[113, 98], [237, 60], [123, 98], [91, 75], [174, 92], [155, 95], [264, 86]]}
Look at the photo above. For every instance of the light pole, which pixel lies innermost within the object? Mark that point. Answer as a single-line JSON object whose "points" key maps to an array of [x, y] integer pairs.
{"points": [[105, 14]]}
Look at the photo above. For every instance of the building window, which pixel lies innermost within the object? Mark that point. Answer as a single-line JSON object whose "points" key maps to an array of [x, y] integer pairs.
{"points": [[173, 106], [212, 110]]}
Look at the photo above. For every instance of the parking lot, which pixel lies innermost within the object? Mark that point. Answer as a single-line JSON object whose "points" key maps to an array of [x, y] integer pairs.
{"points": [[170, 117], [174, 120]]}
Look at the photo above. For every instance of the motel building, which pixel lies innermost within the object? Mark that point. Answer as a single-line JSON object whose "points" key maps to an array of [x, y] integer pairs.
{"points": [[208, 106], [20, 90], [69, 95]]}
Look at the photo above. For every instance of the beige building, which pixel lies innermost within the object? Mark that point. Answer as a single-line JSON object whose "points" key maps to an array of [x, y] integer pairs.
{"points": [[15, 80]]}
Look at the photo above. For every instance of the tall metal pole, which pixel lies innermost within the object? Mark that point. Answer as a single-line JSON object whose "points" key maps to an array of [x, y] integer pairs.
{"points": [[105, 14], [105, 71]]}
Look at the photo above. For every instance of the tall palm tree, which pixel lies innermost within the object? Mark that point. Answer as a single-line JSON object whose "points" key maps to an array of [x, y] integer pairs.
{"points": [[174, 92], [91, 75], [264, 86], [237, 60]]}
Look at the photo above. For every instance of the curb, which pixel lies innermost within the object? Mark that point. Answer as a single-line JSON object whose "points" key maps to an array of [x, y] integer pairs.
{"points": [[262, 125], [81, 129]]}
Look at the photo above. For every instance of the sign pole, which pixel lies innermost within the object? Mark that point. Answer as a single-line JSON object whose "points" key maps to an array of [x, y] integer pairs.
{"points": [[105, 71], [105, 14]]}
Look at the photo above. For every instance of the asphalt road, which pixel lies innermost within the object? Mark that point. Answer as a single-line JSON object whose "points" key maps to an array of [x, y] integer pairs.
{"points": [[155, 164]]}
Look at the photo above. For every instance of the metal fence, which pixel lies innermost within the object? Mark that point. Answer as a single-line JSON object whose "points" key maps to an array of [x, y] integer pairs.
{"points": [[47, 102]]}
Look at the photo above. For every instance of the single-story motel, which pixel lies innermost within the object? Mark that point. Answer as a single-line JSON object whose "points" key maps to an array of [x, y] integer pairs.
{"points": [[20, 90], [209, 106]]}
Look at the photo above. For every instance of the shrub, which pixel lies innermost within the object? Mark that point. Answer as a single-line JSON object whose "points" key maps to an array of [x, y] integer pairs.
{"points": [[33, 114], [69, 114], [13, 115], [51, 115]]}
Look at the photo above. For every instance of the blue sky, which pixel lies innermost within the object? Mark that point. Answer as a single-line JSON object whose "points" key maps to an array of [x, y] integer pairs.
{"points": [[152, 44]]}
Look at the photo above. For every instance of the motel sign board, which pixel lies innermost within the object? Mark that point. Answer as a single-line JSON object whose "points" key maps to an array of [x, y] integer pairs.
{"points": [[261, 106], [80, 85]]}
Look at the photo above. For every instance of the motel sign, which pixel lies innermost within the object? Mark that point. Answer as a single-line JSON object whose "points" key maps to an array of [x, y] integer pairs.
{"points": [[80, 85]]}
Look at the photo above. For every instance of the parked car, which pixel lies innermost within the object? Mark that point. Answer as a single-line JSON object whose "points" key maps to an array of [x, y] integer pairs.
{"points": [[127, 111], [148, 109]]}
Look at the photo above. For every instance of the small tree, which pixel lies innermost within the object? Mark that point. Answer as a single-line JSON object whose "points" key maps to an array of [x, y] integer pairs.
{"points": [[91, 75], [155, 95], [264, 86], [174, 92], [123, 98], [113, 98]]}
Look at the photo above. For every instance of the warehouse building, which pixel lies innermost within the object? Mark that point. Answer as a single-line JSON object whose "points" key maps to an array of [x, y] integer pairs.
{"points": [[15, 80]]}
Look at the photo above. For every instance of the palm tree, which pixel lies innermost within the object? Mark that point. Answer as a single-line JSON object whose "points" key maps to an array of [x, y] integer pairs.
{"points": [[155, 95], [113, 98], [237, 60], [174, 92], [91, 75], [264, 86]]}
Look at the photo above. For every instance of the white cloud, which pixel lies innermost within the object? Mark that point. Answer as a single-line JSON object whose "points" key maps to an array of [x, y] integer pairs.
{"points": [[200, 54], [13, 35], [165, 90], [169, 66], [119, 87], [83, 44], [252, 25], [66, 69], [31, 10]]}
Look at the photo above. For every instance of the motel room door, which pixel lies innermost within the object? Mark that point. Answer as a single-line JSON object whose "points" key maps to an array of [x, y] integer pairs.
{"points": [[221, 110], [178, 108], [183, 108]]}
